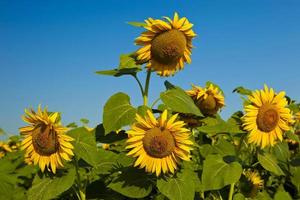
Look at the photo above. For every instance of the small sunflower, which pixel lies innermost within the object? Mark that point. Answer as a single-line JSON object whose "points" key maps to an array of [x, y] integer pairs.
{"points": [[252, 183], [297, 116], [159, 144], [167, 44], [209, 99], [45, 141], [266, 117]]}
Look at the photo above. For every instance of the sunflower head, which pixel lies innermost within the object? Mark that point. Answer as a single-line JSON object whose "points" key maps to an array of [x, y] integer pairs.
{"points": [[251, 183], [167, 44], [209, 99], [159, 144], [45, 142], [266, 117]]}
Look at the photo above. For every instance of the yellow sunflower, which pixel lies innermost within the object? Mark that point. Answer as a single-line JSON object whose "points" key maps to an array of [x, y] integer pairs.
{"points": [[167, 44], [209, 99], [297, 116], [45, 141], [266, 117], [159, 144], [252, 184]]}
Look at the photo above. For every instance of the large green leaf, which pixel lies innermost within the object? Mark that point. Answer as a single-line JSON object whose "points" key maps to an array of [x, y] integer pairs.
{"points": [[281, 151], [118, 112], [44, 188], [106, 162], [224, 148], [85, 145], [177, 99], [269, 162], [282, 195], [217, 173], [213, 126], [179, 187], [132, 183]]}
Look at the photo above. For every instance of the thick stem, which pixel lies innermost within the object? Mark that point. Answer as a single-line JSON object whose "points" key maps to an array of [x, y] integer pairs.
{"points": [[231, 191], [145, 96]]}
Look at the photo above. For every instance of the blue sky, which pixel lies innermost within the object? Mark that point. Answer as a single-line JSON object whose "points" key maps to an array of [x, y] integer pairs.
{"points": [[49, 51]]}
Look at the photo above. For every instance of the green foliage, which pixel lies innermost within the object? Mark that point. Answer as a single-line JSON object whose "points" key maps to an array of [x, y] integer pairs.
{"points": [[270, 163], [118, 112], [178, 187], [44, 188], [132, 183], [177, 99], [243, 91], [85, 145], [217, 173], [137, 24]]}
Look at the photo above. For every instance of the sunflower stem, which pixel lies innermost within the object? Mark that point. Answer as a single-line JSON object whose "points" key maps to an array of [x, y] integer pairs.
{"points": [[231, 191], [139, 83], [78, 180], [145, 96]]}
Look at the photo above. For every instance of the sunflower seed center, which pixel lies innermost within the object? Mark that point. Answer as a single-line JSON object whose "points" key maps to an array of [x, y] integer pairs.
{"points": [[208, 106], [44, 140], [267, 118], [158, 143], [168, 46]]}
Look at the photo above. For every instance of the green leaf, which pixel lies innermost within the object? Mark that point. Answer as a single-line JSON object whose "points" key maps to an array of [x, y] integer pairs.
{"points": [[44, 188], [132, 183], [281, 151], [239, 196], [118, 112], [293, 136], [224, 148], [85, 145], [84, 121], [282, 195], [127, 61], [295, 171], [137, 24], [119, 72], [217, 173], [269, 162], [72, 125], [106, 162], [108, 138], [243, 91], [177, 99], [179, 187], [217, 125], [142, 110]]}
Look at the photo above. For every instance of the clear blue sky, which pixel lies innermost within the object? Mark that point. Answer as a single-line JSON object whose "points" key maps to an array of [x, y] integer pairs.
{"points": [[49, 51]]}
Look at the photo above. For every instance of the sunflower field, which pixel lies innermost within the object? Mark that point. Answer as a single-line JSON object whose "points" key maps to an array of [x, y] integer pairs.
{"points": [[177, 147]]}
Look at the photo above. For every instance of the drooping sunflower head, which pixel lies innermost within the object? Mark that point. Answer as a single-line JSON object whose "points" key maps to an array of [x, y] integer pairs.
{"points": [[251, 183], [167, 44], [159, 144], [45, 141], [266, 117], [209, 99]]}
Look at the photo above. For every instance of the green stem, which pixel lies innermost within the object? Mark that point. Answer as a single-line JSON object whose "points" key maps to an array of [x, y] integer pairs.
{"points": [[139, 83], [78, 180], [231, 191], [145, 96], [153, 104]]}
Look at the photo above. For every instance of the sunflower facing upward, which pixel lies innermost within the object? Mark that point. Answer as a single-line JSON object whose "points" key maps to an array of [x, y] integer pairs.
{"points": [[45, 142], [266, 117], [167, 44], [159, 144], [209, 99]]}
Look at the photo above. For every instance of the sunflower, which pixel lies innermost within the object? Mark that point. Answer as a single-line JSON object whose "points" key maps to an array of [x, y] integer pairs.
{"points": [[266, 117], [45, 142], [209, 99], [297, 116], [159, 144], [167, 44], [251, 183]]}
